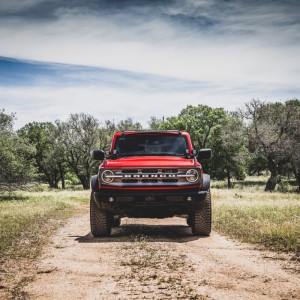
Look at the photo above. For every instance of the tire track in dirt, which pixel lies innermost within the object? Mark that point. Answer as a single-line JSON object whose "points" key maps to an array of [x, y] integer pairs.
{"points": [[157, 259]]}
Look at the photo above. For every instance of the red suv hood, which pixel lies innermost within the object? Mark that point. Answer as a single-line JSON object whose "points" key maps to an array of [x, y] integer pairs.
{"points": [[150, 161]]}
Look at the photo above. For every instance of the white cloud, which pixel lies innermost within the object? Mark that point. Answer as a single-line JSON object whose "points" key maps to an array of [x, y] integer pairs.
{"points": [[248, 51], [44, 103], [72, 41], [156, 47]]}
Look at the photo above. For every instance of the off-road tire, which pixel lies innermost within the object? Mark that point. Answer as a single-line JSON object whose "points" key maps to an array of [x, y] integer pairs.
{"points": [[201, 219], [99, 220]]}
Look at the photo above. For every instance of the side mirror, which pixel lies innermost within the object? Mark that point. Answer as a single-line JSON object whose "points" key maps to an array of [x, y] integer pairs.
{"points": [[98, 154], [204, 154]]}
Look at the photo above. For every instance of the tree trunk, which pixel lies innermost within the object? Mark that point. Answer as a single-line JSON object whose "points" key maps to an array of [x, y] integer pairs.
{"points": [[298, 181], [85, 182], [229, 184], [273, 180], [62, 176], [53, 184], [297, 176], [63, 185], [271, 183]]}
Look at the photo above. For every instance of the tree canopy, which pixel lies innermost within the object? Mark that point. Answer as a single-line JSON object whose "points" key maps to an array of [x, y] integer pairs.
{"points": [[16, 163], [260, 137], [273, 131]]}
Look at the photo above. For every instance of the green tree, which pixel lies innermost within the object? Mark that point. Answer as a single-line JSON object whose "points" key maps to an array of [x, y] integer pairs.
{"points": [[256, 162], [49, 157], [128, 124], [57, 159], [292, 139], [269, 131], [16, 168], [230, 151], [155, 123], [80, 135]]}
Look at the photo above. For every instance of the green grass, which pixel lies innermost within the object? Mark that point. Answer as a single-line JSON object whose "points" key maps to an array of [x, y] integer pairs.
{"points": [[270, 219], [27, 219], [258, 183]]}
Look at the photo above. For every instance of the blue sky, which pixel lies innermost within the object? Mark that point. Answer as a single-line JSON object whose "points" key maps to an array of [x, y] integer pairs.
{"points": [[124, 58]]}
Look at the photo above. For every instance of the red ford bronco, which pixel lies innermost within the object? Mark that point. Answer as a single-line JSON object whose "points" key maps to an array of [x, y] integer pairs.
{"points": [[150, 174]]}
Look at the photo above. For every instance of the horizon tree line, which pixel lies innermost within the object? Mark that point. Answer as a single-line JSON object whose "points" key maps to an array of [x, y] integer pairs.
{"points": [[260, 137]]}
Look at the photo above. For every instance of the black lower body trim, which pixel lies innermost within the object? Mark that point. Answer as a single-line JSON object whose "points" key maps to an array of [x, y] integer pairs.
{"points": [[152, 204]]}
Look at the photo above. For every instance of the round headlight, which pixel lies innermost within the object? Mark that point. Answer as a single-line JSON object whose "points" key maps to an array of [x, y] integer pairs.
{"points": [[107, 176], [192, 175]]}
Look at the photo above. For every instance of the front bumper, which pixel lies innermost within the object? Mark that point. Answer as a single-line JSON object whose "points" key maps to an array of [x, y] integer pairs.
{"points": [[148, 203]]}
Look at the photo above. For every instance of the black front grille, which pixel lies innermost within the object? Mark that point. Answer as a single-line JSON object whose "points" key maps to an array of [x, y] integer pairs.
{"points": [[149, 180], [129, 180], [128, 171], [169, 180], [150, 171], [169, 171]]}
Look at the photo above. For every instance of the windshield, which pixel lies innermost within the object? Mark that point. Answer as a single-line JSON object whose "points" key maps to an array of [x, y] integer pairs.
{"points": [[133, 145]]}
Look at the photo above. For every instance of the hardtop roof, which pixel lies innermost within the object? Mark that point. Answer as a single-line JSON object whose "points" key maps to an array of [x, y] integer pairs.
{"points": [[127, 132]]}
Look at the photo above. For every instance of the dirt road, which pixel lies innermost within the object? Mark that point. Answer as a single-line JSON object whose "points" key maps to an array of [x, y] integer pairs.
{"points": [[157, 259]]}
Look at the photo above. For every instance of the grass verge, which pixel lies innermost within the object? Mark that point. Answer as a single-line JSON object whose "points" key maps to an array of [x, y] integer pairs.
{"points": [[27, 219], [270, 219]]}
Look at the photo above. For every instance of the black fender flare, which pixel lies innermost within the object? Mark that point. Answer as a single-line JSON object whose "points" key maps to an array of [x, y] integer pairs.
{"points": [[206, 182], [94, 183]]}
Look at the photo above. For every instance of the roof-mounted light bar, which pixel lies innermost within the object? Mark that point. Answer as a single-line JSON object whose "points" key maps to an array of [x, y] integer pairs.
{"points": [[151, 131]]}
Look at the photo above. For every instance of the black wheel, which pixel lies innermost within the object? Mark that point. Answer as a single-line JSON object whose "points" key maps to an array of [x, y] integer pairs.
{"points": [[201, 219], [99, 219]]}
